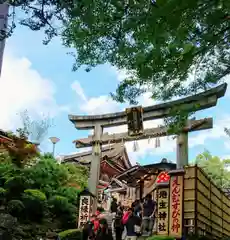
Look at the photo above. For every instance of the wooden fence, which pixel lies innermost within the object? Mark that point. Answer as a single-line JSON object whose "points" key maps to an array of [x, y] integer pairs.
{"points": [[206, 208]]}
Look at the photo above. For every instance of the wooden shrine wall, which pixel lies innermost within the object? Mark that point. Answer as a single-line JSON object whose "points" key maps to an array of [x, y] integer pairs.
{"points": [[205, 206]]}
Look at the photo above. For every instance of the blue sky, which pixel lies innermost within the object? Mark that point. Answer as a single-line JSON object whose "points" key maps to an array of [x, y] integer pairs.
{"points": [[39, 78]]}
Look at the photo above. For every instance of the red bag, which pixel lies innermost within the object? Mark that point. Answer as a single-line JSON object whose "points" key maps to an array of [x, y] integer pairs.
{"points": [[125, 217]]}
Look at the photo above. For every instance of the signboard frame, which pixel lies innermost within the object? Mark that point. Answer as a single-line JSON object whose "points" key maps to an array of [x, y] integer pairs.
{"points": [[176, 206], [85, 217], [164, 200]]}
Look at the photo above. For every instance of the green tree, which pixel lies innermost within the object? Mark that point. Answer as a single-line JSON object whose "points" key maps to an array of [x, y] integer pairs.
{"points": [[215, 168], [162, 44], [41, 196]]}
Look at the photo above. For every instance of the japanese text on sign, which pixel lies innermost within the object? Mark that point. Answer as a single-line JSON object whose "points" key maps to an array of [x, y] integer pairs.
{"points": [[84, 210], [163, 199], [176, 188]]}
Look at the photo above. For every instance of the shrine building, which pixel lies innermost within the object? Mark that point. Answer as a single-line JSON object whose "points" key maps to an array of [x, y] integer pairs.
{"points": [[114, 161]]}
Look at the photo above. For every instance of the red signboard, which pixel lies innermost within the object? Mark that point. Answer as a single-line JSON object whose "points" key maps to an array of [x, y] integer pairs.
{"points": [[176, 204]]}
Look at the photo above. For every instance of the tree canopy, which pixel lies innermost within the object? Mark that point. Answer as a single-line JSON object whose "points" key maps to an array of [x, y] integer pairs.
{"points": [[170, 48], [215, 168]]}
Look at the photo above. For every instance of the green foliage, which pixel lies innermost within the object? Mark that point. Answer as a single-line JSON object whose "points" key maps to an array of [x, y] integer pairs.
{"points": [[215, 168], [160, 238], [41, 195], [15, 208], [35, 194], [60, 205], [35, 204], [162, 45], [71, 234]]}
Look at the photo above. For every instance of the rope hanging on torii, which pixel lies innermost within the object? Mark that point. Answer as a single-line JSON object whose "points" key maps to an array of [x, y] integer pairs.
{"points": [[149, 133]]}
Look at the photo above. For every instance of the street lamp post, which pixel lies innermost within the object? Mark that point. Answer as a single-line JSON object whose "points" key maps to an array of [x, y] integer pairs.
{"points": [[54, 140]]}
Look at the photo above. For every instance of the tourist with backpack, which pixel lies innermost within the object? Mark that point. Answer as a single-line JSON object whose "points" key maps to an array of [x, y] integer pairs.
{"points": [[118, 226]]}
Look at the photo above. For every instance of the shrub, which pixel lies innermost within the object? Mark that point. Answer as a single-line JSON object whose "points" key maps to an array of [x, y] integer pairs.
{"points": [[2, 192], [35, 204], [71, 234], [15, 208], [62, 208], [59, 205], [160, 238], [36, 194], [2, 195]]}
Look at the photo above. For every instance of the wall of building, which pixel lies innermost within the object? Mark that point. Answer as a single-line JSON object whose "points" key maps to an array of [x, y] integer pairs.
{"points": [[206, 207]]}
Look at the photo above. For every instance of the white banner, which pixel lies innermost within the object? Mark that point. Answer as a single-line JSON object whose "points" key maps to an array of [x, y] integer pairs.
{"points": [[84, 210], [4, 9]]}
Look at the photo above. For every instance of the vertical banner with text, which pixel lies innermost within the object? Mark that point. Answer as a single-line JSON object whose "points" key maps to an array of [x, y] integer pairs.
{"points": [[84, 210], [4, 9], [163, 211], [176, 206]]}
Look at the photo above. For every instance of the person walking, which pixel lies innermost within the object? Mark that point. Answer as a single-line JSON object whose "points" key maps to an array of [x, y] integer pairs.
{"points": [[118, 226], [138, 208], [104, 232], [114, 206], [148, 219], [133, 226], [87, 231]]}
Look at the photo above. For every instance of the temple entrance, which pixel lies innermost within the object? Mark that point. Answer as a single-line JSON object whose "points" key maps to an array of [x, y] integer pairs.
{"points": [[161, 180], [134, 118]]}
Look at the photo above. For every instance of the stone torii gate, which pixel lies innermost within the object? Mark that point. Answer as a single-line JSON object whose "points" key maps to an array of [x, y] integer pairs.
{"points": [[202, 101]]}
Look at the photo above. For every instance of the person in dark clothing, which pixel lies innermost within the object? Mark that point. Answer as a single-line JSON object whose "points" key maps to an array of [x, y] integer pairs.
{"points": [[120, 207], [87, 231], [149, 209], [138, 208], [114, 206], [118, 226], [133, 226], [104, 233]]}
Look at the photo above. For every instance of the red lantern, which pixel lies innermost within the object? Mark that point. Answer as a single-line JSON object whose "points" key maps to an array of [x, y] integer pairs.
{"points": [[163, 177]]}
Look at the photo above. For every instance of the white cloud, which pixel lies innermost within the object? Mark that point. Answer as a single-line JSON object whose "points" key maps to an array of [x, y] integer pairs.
{"points": [[100, 105], [23, 88], [217, 132], [121, 74], [94, 105], [79, 91]]}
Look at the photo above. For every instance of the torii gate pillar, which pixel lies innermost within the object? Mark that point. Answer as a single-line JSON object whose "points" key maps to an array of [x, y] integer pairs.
{"points": [[95, 163], [182, 150]]}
